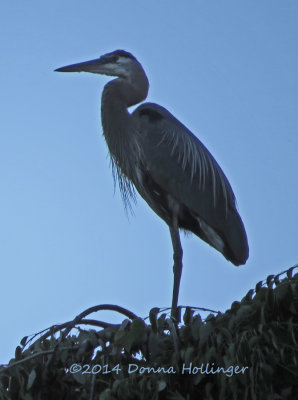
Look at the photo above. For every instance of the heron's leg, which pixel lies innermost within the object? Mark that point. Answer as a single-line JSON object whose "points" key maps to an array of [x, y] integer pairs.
{"points": [[177, 256]]}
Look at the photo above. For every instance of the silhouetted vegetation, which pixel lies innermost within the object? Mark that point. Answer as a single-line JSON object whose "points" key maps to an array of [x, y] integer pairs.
{"points": [[248, 352]]}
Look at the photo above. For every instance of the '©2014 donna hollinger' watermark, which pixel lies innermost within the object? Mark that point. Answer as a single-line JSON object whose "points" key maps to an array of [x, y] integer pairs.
{"points": [[185, 369]]}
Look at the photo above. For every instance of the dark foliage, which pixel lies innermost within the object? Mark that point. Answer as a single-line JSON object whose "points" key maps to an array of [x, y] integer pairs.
{"points": [[249, 352]]}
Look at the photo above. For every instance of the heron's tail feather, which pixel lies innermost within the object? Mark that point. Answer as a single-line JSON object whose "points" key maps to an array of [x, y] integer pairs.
{"points": [[236, 246]]}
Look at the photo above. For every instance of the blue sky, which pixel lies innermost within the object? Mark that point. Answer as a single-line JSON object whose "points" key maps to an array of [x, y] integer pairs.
{"points": [[227, 69]]}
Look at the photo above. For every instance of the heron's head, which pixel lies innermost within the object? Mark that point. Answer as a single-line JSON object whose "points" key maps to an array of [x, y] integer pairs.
{"points": [[117, 63]]}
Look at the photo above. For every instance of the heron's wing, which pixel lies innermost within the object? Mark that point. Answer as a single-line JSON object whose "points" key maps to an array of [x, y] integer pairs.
{"points": [[183, 168], [182, 165]]}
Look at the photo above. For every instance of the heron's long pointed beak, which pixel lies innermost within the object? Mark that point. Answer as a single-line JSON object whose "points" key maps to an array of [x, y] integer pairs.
{"points": [[93, 66]]}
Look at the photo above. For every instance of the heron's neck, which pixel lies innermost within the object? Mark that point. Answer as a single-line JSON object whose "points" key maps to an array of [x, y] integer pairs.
{"points": [[119, 127], [117, 96], [128, 92]]}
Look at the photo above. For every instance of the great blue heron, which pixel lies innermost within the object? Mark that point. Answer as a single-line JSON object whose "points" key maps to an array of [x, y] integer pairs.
{"points": [[170, 168]]}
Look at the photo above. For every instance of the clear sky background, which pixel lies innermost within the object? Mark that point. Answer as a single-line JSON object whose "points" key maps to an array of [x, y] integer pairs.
{"points": [[227, 69]]}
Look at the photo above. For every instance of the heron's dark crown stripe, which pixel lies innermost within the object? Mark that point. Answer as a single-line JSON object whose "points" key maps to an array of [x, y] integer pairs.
{"points": [[121, 53]]}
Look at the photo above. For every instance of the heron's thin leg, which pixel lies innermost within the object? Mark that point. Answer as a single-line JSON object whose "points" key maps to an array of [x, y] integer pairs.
{"points": [[177, 256]]}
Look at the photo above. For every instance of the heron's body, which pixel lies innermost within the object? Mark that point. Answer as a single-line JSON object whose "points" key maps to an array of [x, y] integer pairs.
{"points": [[170, 168]]}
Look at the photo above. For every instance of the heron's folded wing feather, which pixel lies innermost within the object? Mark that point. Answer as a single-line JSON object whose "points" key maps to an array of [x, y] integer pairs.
{"points": [[182, 165]]}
